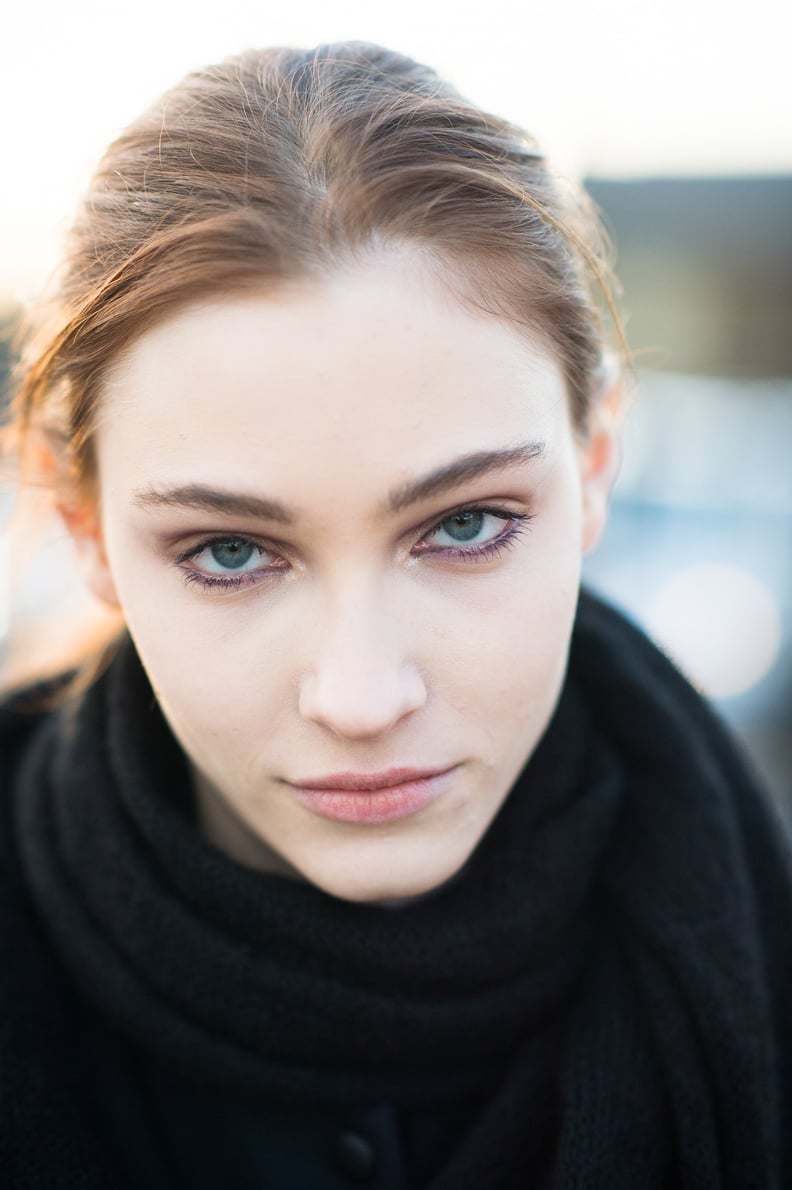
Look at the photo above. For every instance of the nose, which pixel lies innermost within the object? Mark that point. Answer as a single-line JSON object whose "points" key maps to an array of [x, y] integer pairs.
{"points": [[361, 683]]}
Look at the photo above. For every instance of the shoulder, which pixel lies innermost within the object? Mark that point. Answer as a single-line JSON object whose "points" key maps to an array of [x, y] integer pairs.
{"points": [[21, 938], [18, 729], [698, 873], [694, 814], [23, 714], [19, 725], [642, 700], [38, 1009]]}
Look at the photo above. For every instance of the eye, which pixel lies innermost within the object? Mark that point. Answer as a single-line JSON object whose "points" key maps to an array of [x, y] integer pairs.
{"points": [[474, 533], [228, 562], [465, 528], [235, 555]]}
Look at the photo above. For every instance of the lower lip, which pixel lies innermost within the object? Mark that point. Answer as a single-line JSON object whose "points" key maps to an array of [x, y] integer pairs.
{"points": [[374, 805]]}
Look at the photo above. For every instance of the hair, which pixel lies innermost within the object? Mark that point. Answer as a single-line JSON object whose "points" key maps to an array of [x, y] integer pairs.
{"points": [[280, 164]]}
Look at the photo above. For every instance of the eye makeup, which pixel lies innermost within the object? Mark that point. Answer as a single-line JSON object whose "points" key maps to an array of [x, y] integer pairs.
{"points": [[237, 549]]}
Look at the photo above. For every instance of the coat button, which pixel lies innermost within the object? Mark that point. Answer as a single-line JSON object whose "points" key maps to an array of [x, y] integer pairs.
{"points": [[355, 1156]]}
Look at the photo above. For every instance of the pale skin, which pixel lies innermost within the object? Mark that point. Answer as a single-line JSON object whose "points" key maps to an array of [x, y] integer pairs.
{"points": [[349, 636]]}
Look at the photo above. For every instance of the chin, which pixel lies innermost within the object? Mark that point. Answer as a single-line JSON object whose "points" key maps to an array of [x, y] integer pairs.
{"points": [[380, 883]]}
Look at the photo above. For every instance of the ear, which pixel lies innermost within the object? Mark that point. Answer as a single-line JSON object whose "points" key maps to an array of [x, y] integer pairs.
{"points": [[600, 455], [83, 523]]}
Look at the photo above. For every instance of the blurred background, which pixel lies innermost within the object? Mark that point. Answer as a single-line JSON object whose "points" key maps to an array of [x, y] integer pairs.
{"points": [[679, 119]]}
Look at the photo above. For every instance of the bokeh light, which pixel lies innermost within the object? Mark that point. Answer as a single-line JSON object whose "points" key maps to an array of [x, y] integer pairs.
{"points": [[720, 624]]}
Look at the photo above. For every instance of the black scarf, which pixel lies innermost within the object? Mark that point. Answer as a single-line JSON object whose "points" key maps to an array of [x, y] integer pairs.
{"points": [[611, 971]]}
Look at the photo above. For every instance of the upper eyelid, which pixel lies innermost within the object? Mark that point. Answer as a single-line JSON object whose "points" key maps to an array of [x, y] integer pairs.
{"points": [[227, 534], [274, 547], [214, 538], [491, 509], [487, 509]]}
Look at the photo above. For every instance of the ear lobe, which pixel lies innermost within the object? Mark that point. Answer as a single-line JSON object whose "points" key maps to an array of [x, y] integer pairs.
{"points": [[82, 522], [600, 458]]}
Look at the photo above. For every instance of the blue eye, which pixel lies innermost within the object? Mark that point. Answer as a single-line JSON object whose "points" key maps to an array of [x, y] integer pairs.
{"points": [[474, 533], [230, 562], [463, 527], [234, 555], [231, 555]]}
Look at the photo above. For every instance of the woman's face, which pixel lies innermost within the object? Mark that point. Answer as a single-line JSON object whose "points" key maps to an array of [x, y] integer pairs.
{"points": [[344, 522]]}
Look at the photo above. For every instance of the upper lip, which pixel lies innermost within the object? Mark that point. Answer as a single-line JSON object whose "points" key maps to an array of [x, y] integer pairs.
{"points": [[360, 782]]}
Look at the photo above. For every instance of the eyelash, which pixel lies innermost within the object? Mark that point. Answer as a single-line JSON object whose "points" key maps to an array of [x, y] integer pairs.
{"points": [[521, 522]]}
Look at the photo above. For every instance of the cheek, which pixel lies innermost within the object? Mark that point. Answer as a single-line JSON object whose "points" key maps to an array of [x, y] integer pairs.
{"points": [[496, 645], [521, 650], [231, 709], [219, 671], [220, 681]]}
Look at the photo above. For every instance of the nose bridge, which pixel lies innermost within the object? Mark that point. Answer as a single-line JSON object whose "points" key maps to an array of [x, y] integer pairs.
{"points": [[360, 678]]}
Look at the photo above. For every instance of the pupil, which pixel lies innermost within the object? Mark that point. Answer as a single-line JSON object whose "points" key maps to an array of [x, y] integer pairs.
{"points": [[232, 554], [464, 526]]}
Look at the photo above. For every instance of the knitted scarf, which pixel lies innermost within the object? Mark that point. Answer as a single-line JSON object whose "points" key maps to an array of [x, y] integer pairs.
{"points": [[610, 974]]}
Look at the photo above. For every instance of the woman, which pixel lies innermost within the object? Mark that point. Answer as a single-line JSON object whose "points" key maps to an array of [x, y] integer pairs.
{"points": [[377, 853]]}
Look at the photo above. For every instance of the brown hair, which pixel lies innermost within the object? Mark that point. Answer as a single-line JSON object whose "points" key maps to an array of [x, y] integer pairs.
{"points": [[282, 163]]}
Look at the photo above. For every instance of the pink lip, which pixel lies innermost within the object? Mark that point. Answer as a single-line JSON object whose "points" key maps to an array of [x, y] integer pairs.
{"points": [[375, 797]]}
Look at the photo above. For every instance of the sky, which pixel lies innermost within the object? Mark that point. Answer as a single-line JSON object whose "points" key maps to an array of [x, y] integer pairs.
{"points": [[613, 88]]}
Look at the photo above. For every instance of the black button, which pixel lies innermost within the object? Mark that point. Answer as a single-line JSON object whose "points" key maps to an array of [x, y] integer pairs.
{"points": [[356, 1156]]}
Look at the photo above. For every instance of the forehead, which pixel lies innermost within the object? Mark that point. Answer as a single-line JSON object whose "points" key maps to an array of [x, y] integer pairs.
{"points": [[380, 363]]}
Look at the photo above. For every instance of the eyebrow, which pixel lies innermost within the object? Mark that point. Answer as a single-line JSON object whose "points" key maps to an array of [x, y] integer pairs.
{"points": [[203, 499], [451, 475], [442, 479]]}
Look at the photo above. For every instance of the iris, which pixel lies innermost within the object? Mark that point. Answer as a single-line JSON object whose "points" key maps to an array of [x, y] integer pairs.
{"points": [[232, 555], [464, 526]]}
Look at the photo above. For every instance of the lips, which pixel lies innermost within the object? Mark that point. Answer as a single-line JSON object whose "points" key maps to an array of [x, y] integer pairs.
{"points": [[372, 797]]}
